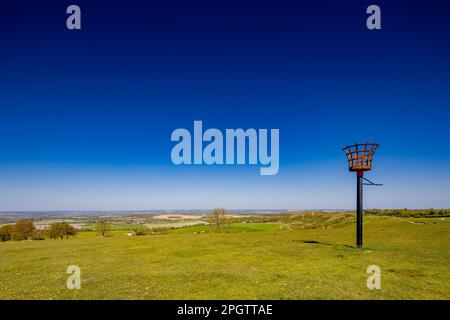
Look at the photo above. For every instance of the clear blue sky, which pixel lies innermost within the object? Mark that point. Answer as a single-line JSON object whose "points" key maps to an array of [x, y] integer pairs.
{"points": [[86, 116]]}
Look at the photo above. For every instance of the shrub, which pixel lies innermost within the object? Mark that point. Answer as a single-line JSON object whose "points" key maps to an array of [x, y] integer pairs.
{"points": [[158, 231], [153, 231], [139, 232]]}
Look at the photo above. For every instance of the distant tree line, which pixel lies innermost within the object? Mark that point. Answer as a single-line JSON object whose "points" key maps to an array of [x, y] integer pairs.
{"points": [[24, 230], [415, 213]]}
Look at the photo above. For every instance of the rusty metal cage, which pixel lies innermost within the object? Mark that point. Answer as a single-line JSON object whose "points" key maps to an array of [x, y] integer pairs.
{"points": [[360, 156]]}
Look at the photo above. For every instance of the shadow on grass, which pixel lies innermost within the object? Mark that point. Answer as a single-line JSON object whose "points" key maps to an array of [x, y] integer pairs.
{"points": [[325, 244]]}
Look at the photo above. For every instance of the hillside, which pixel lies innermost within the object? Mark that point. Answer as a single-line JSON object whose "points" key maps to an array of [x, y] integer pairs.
{"points": [[282, 263]]}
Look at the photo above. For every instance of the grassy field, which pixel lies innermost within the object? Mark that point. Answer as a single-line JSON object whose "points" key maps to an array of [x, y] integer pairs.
{"points": [[272, 261], [237, 227]]}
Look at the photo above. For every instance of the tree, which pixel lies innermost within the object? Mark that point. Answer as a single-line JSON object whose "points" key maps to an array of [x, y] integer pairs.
{"points": [[70, 231], [217, 218], [55, 231], [102, 226], [6, 232], [61, 230], [23, 230]]}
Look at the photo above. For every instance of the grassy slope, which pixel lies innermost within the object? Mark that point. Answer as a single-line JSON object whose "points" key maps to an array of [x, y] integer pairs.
{"points": [[414, 260]]}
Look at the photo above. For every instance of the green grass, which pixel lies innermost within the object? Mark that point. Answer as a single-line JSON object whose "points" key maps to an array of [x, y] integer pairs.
{"points": [[270, 263], [93, 234], [237, 227]]}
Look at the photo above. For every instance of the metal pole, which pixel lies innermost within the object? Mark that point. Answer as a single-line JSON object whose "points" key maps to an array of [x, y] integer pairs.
{"points": [[359, 208]]}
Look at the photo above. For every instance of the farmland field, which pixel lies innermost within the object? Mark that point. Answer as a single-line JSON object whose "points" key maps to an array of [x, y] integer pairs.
{"points": [[246, 261]]}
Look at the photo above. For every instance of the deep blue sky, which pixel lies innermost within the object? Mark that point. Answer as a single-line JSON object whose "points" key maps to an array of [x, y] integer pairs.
{"points": [[86, 116]]}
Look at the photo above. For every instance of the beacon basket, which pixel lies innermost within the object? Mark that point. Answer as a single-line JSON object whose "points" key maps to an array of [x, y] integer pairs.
{"points": [[360, 156]]}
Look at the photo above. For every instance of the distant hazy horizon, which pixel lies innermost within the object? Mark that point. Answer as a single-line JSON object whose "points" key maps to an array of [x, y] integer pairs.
{"points": [[193, 211]]}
